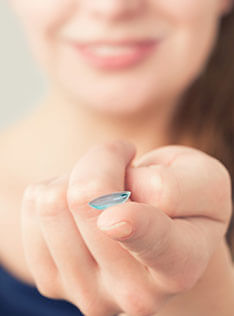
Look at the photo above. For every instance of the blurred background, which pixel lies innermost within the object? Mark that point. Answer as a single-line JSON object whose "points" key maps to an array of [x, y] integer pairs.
{"points": [[20, 81]]}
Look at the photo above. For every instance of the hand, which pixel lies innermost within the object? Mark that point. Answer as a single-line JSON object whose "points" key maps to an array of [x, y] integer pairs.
{"points": [[179, 211]]}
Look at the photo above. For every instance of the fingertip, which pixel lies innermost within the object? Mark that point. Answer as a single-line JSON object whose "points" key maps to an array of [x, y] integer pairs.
{"points": [[118, 230]]}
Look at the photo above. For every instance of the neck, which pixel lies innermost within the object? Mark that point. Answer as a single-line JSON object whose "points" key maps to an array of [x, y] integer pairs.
{"points": [[64, 131]]}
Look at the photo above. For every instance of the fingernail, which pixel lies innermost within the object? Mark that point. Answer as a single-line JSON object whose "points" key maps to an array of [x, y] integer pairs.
{"points": [[104, 201], [118, 230]]}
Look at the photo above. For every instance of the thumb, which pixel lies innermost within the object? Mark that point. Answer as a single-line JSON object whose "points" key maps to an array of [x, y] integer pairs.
{"points": [[173, 250]]}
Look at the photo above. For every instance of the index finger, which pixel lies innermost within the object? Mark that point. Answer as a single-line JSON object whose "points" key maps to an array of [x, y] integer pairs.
{"points": [[192, 183], [100, 171]]}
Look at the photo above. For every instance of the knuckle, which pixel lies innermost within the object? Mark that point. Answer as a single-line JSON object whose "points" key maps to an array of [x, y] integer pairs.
{"points": [[53, 196], [49, 287], [77, 196], [112, 147], [90, 305], [28, 202], [29, 192], [185, 280], [46, 291], [86, 191], [92, 310], [39, 190], [30, 199], [220, 173], [109, 147], [171, 194], [225, 177], [183, 284], [223, 190], [49, 292], [139, 303], [51, 202]]}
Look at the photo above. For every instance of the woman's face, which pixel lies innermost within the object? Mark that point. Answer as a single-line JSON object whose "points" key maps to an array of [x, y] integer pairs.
{"points": [[184, 32]]}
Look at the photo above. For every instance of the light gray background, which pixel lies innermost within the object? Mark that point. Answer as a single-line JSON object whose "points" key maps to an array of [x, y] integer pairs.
{"points": [[21, 83]]}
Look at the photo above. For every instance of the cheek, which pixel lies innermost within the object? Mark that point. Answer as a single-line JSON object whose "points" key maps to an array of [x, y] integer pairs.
{"points": [[41, 20], [194, 26], [41, 15], [185, 11]]}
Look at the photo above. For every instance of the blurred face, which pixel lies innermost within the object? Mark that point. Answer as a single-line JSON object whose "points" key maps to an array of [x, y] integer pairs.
{"points": [[148, 50]]}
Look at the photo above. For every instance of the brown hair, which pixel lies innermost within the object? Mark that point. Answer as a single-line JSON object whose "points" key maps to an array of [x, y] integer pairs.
{"points": [[206, 112]]}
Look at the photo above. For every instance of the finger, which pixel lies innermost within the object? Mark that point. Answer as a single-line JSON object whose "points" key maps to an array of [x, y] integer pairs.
{"points": [[37, 255], [76, 265], [176, 251], [181, 181], [100, 171]]}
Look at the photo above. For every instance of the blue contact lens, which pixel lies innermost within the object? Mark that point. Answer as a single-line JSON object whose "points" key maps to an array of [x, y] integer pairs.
{"points": [[108, 200]]}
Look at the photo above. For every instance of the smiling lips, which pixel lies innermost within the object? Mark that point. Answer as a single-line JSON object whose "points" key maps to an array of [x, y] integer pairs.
{"points": [[115, 55]]}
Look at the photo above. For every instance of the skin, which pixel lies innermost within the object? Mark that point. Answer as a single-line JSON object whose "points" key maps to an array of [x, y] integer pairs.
{"points": [[177, 250], [174, 230]]}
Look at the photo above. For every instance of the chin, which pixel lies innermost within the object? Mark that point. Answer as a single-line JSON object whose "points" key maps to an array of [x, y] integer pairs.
{"points": [[116, 107], [116, 104]]}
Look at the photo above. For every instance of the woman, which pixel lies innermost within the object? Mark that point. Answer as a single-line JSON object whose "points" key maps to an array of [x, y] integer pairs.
{"points": [[157, 76]]}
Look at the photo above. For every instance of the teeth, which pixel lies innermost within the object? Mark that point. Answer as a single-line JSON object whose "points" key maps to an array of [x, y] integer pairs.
{"points": [[105, 50]]}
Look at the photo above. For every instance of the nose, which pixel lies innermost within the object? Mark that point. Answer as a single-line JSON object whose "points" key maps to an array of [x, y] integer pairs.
{"points": [[113, 9]]}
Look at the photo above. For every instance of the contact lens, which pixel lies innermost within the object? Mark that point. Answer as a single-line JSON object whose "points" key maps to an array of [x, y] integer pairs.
{"points": [[104, 201]]}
